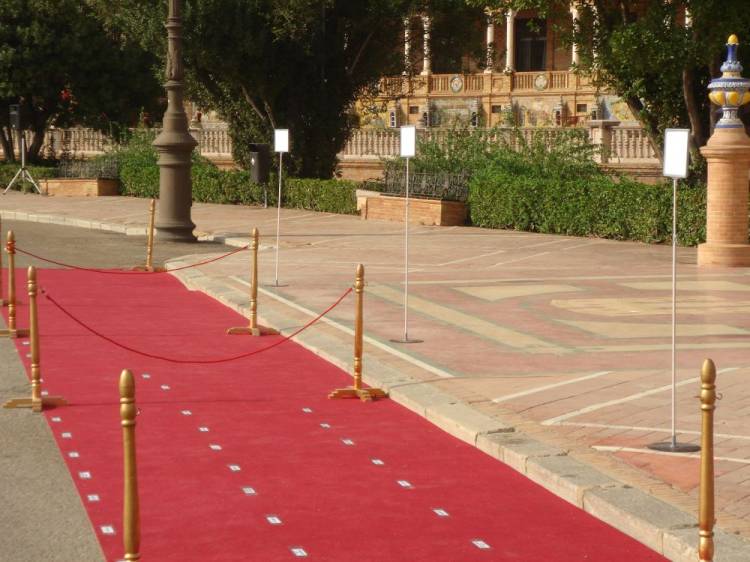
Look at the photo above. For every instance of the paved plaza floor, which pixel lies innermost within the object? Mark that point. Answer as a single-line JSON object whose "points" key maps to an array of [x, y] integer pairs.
{"points": [[563, 339]]}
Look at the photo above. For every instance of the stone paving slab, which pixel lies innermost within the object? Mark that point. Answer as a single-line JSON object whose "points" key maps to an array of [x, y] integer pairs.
{"points": [[559, 343]]}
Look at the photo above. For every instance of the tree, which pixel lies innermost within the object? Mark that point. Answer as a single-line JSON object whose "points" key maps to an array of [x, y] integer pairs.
{"points": [[64, 67], [646, 53], [299, 64]]}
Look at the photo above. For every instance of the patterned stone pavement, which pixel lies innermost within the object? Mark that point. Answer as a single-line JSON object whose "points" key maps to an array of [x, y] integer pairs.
{"points": [[567, 339]]}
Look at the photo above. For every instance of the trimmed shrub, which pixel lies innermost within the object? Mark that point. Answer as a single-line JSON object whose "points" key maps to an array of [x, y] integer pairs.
{"points": [[593, 206], [329, 196], [139, 174], [139, 177]]}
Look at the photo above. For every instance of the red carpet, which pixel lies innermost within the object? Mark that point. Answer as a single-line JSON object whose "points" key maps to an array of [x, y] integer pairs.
{"points": [[331, 499]]}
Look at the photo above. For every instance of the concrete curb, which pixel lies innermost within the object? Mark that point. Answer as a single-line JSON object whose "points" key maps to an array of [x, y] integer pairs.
{"points": [[657, 524], [664, 528]]}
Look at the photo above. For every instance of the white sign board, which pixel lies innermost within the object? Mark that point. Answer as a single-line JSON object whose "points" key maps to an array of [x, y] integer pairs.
{"points": [[408, 141], [676, 153], [281, 140]]}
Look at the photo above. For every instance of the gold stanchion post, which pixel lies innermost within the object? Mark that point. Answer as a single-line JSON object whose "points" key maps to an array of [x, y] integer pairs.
{"points": [[150, 242], [706, 518], [37, 402], [253, 329], [131, 520], [356, 391], [12, 331], [3, 302]]}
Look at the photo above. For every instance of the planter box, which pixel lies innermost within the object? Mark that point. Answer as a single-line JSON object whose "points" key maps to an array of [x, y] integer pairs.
{"points": [[73, 187], [421, 211]]}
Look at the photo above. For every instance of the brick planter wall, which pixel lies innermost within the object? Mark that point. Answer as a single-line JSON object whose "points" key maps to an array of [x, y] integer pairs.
{"points": [[421, 211], [72, 187]]}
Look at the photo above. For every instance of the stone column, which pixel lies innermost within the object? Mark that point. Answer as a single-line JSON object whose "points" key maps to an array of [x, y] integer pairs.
{"points": [[427, 61], [574, 56], [175, 144], [728, 155], [407, 46], [510, 41], [490, 43]]}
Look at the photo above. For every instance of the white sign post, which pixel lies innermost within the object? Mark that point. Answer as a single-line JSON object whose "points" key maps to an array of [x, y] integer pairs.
{"points": [[281, 145], [408, 149], [676, 154]]}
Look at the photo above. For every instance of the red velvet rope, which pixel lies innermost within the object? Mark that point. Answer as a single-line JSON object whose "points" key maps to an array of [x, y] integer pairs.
{"points": [[196, 361], [125, 272]]}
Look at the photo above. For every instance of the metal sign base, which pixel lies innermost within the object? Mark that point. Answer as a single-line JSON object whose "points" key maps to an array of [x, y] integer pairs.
{"points": [[406, 340], [674, 447]]}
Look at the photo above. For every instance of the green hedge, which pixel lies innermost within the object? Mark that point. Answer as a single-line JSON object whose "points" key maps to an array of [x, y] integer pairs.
{"points": [[139, 177], [328, 196], [594, 206]]}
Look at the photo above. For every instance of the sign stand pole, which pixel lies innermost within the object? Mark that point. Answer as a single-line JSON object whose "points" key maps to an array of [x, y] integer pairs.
{"points": [[673, 446], [281, 145], [278, 220], [407, 152]]}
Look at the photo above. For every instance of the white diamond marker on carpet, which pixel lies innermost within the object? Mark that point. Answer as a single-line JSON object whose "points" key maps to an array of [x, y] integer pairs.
{"points": [[107, 529], [186, 413], [404, 483], [93, 497], [45, 393], [215, 447], [165, 387], [85, 475], [273, 519], [480, 544], [307, 410], [234, 467], [378, 462], [67, 435], [325, 425], [347, 442], [248, 491], [73, 454], [56, 420], [440, 512], [299, 552], [146, 376], [203, 429]]}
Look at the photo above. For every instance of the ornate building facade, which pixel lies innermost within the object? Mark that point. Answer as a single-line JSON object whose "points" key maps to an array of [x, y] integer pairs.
{"points": [[528, 77]]}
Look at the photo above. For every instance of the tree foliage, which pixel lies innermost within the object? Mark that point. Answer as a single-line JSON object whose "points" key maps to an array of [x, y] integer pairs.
{"points": [[297, 64], [64, 67], [644, 52]]}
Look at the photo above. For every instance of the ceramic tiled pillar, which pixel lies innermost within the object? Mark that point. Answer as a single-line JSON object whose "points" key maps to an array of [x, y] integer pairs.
{"points": [[728, 157]]}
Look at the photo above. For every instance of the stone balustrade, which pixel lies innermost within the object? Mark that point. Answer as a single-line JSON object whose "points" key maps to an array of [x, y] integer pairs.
{"points": [[553, 81], [620, 144], [81, 142]]}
